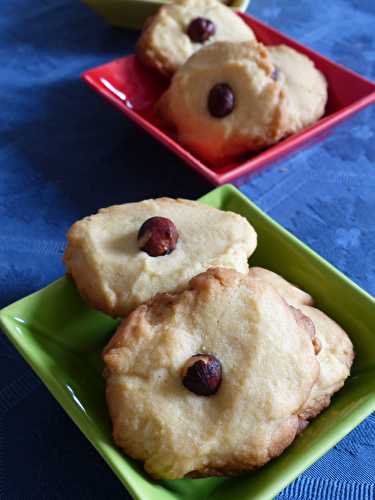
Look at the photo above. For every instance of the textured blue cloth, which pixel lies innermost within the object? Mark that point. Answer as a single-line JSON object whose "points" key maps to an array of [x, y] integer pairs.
{"points": [[64, 153]]}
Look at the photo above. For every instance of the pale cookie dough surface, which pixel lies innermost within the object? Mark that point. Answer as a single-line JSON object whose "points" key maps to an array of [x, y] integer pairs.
{"points": [[292, 294], [258, 117], [305, 87], [335, 359], [164, 43], [335, 348], [268, 364], [115, 276]]}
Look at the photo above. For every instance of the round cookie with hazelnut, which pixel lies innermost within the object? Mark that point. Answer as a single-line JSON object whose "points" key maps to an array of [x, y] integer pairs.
{"points": [[220, 111], [126, 254], [209, 381], [183, 27]]}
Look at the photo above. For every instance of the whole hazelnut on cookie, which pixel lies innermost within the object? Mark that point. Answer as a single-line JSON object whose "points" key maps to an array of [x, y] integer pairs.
{"points": [[221, 100], [201, 29], [202, 374], [157, 236]]}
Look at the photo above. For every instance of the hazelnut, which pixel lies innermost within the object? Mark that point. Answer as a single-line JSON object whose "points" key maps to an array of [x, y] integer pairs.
{"points": [[201, 374], [157, 236], [200, 30], [221, 100], [306, 323]]}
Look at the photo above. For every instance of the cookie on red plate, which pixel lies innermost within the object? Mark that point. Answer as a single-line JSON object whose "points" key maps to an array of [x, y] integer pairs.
{"points": [[181, 28]]}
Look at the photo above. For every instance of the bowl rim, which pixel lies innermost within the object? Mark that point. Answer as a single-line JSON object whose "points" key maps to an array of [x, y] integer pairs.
{"points": [[240, 5]]}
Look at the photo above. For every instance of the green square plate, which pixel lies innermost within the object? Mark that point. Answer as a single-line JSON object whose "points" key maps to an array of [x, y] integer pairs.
{"points": [[62, 339], [133, 13]]}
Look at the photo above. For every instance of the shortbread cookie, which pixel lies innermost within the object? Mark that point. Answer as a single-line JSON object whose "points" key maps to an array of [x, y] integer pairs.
{"points": [[293, 295], [224, 101], [304, 85], [331, 343], [209, 381], [116, 265], [181, 28], [335, 358]]}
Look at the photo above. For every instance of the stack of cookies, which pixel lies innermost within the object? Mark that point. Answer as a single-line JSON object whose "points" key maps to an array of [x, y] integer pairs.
{"points": [[216, 367], [229, 94]]}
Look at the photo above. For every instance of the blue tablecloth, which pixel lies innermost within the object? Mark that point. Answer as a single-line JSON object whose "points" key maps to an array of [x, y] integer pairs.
{"points": [[64, 153]]}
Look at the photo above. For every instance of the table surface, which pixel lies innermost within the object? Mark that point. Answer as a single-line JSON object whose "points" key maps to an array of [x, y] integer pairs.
{"points": [[64, 153]]}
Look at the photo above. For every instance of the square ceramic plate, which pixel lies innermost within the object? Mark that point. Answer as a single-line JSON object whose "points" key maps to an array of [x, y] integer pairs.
{"points": [[62, 339], [134, 89]]}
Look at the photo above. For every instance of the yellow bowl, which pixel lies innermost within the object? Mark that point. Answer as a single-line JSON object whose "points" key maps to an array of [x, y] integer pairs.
{"points": [[133, 13]]}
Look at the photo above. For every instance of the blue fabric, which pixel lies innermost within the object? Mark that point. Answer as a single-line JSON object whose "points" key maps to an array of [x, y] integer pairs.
{"points": [[64, 153]]}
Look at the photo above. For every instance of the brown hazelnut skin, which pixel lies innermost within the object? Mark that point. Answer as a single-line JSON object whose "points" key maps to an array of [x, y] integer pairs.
{"points": [[157, 236], [201, 29], [202, 374]]}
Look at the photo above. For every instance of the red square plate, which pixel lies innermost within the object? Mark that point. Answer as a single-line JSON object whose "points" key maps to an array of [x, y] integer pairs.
{"points": [[134, 89]]}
